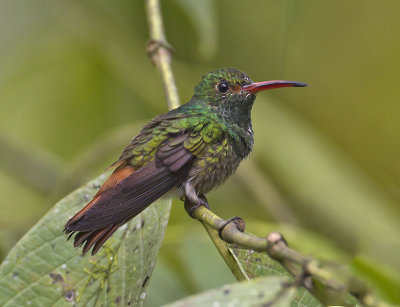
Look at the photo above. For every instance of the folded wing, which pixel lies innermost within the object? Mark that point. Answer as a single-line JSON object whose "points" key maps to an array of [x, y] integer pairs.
{"points": [[129, 191]]}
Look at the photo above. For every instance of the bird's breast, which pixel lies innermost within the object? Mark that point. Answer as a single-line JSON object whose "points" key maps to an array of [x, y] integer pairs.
{"points": [[217, 163]]}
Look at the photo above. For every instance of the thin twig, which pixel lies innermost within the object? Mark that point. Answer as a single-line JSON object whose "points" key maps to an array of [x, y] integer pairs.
{"points": [[160, 52], [212, 224], [298, 265], [223, 250]]}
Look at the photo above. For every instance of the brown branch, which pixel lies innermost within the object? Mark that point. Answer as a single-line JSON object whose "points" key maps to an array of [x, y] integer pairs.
{"points": [[160, 52], [304, 268]]}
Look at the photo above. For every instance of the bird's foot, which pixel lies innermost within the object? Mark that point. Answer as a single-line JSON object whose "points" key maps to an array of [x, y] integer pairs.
{"points": [[191, 206]]}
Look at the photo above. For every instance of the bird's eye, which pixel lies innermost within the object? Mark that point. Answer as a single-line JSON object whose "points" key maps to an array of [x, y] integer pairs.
{"points": [[223, 87]]}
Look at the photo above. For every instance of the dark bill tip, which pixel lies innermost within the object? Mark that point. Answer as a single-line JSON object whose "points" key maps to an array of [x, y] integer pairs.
{"points": [[299, 84]]}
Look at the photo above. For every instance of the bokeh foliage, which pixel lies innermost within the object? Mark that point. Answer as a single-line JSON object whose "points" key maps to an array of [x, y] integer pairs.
{"points": [[76, 85], [42, 270]]}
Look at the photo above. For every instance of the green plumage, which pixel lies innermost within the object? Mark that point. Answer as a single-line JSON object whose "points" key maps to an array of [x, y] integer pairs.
{"points": [[193, 149], [217, 127]]}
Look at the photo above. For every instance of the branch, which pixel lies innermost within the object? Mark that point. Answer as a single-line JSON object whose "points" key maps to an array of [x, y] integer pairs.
{"points": [[160, 52], [304, 268]]}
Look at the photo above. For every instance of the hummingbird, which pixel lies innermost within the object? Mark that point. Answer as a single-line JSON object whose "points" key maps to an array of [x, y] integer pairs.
{"points": [[191, 150]]}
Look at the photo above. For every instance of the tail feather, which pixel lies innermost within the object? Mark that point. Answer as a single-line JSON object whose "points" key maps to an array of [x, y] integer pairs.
{"points": [[93, 238], [81, 237], [80, 213], [99, 236], [118, 175], [105, 237]]}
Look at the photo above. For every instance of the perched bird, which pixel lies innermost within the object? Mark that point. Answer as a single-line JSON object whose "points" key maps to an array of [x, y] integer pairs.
{"points": [[191, 149]]}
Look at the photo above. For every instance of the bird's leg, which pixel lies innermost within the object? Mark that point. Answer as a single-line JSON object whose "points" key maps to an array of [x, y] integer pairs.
{"points": [[190, 206], [192, 200]]}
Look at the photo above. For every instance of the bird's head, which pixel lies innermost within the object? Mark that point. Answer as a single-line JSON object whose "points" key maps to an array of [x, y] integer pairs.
{"points": [[231, 86]]}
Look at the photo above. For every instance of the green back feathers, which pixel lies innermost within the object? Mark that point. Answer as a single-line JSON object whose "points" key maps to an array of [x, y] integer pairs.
{"points": [[208, 118]]}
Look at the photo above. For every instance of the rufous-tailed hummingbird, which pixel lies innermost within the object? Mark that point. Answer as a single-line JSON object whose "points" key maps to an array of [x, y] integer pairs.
{"points": [[192, 149]]}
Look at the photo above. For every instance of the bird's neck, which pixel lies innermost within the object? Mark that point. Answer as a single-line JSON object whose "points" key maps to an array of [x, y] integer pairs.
{"points": [[237, 117]]}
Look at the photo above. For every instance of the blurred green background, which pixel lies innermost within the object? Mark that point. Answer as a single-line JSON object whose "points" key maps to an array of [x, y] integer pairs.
{"points": [[76, 84]]}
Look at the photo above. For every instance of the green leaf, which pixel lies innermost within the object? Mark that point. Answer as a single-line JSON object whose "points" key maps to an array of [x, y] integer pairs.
{"points": [[304, 298], [44, 269], [273, 291], [257, 264]]}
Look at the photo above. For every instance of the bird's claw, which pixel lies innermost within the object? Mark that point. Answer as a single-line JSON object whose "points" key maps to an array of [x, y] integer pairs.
{"points": [[191, 206]]}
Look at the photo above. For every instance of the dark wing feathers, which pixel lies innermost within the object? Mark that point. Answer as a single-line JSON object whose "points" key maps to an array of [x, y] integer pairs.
{"points": [[174, 159], [130, 196], [134, 193]]}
